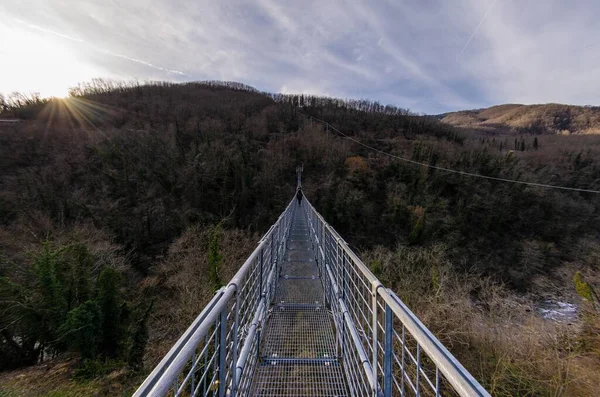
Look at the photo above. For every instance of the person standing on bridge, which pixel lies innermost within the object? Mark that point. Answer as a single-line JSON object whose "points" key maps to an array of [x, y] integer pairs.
{"points": [[299, 196]]}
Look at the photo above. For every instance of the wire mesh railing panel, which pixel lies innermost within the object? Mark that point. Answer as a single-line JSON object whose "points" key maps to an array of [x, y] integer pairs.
{"points": [[298, 347], [385, 349], [213, 356], [334, 330]]}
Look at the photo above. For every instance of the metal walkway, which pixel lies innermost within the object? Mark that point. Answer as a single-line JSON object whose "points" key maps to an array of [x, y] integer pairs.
{"points": [[298, 349], [305, 317]]}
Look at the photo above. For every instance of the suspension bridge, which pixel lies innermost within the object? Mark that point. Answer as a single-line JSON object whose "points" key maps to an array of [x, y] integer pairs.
{"points": [[304, 316]]}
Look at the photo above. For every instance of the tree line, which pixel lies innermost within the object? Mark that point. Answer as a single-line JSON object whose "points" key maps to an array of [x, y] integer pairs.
{"points": [[149, 162]]}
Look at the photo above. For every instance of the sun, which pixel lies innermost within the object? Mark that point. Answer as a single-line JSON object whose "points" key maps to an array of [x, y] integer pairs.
{"points": [[34, 61], [60, 92]]}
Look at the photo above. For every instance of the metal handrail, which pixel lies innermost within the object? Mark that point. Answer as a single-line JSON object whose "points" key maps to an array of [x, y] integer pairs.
{"points": [[219, 332], [384, 348], [387, 313], [464, 383]]}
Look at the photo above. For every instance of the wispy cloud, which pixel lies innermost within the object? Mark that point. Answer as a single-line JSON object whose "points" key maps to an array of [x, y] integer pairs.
{"points": [[44, 30], [96, 48], [404, 52], [478, 26]]}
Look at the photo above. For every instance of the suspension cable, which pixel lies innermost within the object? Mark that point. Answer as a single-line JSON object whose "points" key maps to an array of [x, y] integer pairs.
{"points": [[450, 170]]}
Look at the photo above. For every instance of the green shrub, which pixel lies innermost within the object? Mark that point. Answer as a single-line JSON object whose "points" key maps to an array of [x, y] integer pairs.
{"points": [[82, 331], [583, 288]]}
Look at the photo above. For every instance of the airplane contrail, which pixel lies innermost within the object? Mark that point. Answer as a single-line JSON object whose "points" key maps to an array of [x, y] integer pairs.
{"points": [[96, 48], [41, 29], [478, 26]]}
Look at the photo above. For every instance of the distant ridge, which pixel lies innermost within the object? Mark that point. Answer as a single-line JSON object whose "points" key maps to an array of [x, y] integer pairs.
{"points": [[549, 118]]}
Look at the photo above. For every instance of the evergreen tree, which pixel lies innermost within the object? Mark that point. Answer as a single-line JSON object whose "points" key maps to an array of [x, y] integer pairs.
{"points": [[109, 300], [77, 264], [51, 306], [82, 330], [139, 339]]}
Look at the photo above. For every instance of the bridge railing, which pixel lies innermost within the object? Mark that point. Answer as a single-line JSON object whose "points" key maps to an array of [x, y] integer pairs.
{"points": [[217, 354], [385, 349]]}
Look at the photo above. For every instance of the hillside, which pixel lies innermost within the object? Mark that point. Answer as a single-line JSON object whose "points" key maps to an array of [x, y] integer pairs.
{"points": [[535, 119], [136, 202]]}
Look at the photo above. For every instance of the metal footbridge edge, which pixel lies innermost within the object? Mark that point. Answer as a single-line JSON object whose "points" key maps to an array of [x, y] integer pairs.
{"points": [[304, 316]]}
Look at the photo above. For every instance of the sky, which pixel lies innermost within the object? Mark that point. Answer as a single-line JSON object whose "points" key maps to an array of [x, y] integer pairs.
{"points": [[425, 55]]}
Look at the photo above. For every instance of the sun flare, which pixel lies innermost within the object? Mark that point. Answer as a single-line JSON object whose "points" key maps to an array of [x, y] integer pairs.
{"points": [[59, 92], [36, 62]]}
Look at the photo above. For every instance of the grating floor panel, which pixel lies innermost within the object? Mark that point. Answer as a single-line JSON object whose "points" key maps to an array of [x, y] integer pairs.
{"points": [[298, 347], [299, 333], [300, 269], [301, 291], [299, 245], [299, 255], [299, 380], [301, 234]]}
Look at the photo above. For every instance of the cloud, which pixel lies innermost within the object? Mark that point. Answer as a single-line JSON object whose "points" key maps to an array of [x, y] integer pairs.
{"points": [[96, 48], [430, 56], [478, 26], [534, 52]]}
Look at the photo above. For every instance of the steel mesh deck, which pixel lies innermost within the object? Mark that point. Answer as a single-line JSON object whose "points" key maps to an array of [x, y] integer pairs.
{"points": [[300, 255], [295, 332], [304, 245], [298, 347], [300, 291], [307, 268], [299, 380]]}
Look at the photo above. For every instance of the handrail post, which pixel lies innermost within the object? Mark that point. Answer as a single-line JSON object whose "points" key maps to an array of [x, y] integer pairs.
{"points": [[338, 274], [235, 336], [272, 259], [389, 348], [236, 322], [260, 274], [223, 352], [375, 343]]}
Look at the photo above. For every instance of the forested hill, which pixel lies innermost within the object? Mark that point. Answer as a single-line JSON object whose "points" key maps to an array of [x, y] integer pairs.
{"points": [[143, 163], [552, 118], [125, 195]]}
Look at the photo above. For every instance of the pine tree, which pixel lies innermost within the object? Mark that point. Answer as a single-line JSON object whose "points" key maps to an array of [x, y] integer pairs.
{"points": [[82, 330], [51, 306], [76, 274], [109, 300], [139, 339]]}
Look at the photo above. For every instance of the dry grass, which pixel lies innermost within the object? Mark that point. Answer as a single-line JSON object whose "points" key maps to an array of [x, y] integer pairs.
{"points": [[182, 283], [55, 379], [494, 332]]}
